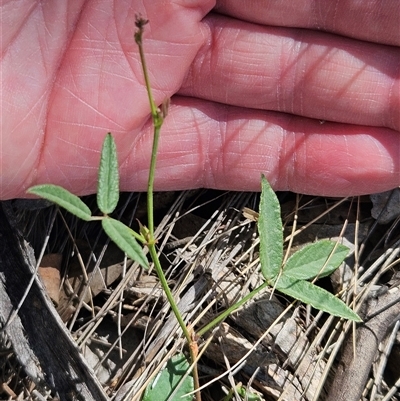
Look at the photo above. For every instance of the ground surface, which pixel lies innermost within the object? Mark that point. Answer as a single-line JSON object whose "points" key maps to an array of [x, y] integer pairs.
{"points": [[209, 248]]}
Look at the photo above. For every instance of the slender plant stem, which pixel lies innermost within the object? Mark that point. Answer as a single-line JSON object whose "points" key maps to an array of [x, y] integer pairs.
{"points": [[194, 352], [168, 293], [150, 184], [158, 118], [235, 306], [157, 123]]}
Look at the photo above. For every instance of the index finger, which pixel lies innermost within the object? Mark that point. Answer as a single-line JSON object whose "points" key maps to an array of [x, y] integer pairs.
{"points": [[374, 21]]}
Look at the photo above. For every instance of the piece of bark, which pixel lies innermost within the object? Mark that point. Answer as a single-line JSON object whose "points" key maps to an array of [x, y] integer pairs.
{"points": [[40, 341], [49, 272], [353, 370]]}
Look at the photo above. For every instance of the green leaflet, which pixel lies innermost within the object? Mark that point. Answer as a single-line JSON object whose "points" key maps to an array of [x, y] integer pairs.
{"points": [[308, 262], [270, 231], [63, 198], [123, 237], [315, 296], [244, 393], [167, 380], [108, 178], [319, 259]]}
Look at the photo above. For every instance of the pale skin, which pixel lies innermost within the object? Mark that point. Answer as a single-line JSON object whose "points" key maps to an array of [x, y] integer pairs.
{"points": [[255, 88]]}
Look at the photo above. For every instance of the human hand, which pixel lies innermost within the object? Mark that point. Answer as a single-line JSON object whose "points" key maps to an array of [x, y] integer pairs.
{"points": [[252, 93]]}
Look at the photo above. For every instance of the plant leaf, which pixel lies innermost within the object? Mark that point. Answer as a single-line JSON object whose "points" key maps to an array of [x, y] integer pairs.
{"points": [[63, 198], [108, 179], [270, 231], [167, 380], [315, 296], [244, 392], [122, 236], [308, 262]]}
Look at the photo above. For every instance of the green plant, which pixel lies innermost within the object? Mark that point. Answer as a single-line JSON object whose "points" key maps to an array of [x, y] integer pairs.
{"points": [[316, 260], [165, 385], [243, 393]]}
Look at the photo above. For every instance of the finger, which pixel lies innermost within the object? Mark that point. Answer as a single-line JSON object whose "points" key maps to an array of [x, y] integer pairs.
{"points": [[204, 144], [374, 20], [215, 146], [307, 73]]}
